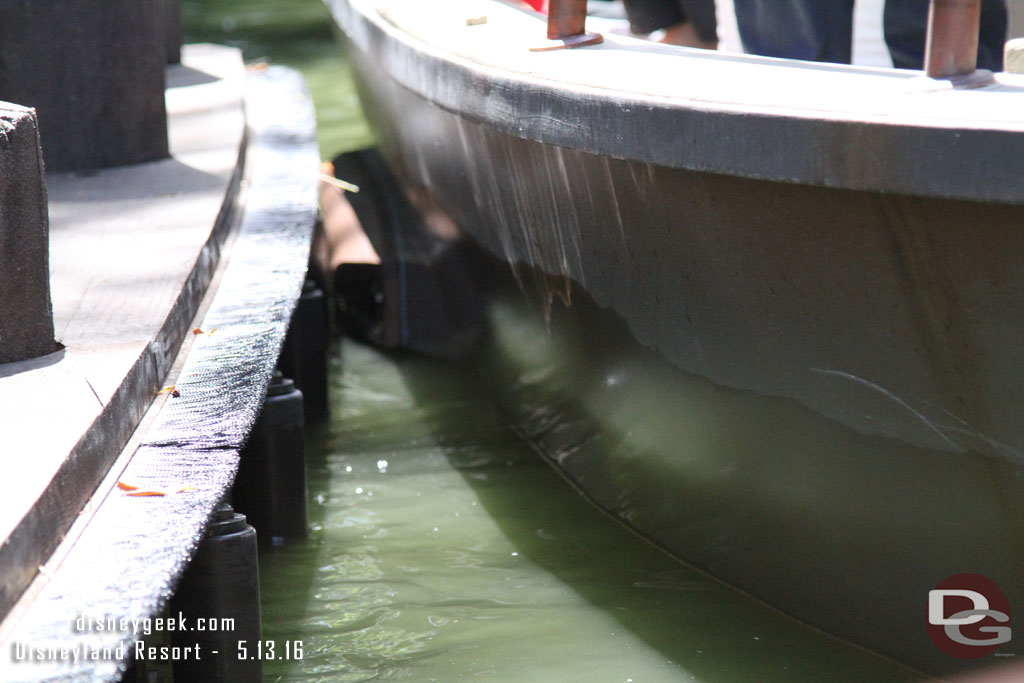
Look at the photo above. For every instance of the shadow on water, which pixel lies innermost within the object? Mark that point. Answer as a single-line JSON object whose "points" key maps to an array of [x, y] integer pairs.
{"points": [[575, 577], [700, 625]]}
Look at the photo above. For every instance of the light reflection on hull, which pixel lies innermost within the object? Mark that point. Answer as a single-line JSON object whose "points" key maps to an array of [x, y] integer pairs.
{"points": [[844, 530]]}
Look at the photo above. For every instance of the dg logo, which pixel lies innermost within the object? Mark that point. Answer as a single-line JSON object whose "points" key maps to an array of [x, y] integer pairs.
{"points": [[968, 616]]}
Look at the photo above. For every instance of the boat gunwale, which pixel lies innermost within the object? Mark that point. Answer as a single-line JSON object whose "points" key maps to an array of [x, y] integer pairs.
{"points": [[943, 158]]}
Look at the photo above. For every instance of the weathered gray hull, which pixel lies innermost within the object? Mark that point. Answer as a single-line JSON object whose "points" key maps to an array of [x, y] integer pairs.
{"points": [[800, 373]]}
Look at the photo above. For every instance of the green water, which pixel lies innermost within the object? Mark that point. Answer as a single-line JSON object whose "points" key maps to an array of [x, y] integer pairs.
{"points": [[442, 548], [296, 33]]}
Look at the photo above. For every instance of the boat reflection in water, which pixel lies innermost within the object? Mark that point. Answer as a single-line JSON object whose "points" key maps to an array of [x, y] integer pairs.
{"points": [[776, 308]]}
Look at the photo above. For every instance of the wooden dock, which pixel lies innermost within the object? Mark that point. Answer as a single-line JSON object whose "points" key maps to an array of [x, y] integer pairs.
{"points": [[132, 250], [215, 238]]}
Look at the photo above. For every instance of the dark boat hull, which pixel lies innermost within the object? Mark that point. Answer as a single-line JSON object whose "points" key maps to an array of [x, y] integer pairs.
{"points": [[811, 392]]}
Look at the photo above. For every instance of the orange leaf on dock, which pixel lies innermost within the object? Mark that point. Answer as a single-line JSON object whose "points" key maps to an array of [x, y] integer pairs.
{"points": [[142, 494], [126, 487]]}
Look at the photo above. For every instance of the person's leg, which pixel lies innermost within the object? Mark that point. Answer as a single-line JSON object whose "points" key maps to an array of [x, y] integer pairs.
{"points": [[992, 38], [701, 14], [813, 30], [647, 16], [672, 16], [906, 24], [686, 35]]}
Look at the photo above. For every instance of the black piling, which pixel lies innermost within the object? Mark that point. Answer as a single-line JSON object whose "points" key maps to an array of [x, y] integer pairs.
{"points": [[304, 356], [271, 484], [220, 592]]}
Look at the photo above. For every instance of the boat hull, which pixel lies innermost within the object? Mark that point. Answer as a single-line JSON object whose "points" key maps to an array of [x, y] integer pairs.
{"points": [[811, 392]]}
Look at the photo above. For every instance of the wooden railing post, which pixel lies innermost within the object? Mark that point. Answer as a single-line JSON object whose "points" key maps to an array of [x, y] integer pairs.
{"points": [[951, 48], [566, 18], [567, 25]]}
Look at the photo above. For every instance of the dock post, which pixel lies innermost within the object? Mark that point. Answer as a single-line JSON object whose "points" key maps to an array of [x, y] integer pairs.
{"points": [[94, 72], [304, 356], [222, 584], [26, 312], [270, 488]]}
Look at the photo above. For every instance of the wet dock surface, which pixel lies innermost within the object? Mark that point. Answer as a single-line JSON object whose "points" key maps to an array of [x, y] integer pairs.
{"points": [[132, 249], [130, 542], [443, 548]]}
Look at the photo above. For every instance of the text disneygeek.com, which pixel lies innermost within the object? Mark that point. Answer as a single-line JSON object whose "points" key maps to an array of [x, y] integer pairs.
{"points": [[150, 625]]}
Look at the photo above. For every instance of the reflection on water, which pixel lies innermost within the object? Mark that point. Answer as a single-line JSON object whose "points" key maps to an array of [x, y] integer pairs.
{"points": [[443, 548]]}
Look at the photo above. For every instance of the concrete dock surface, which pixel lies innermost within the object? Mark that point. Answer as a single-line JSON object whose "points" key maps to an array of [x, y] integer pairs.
{"points": [[190, 278], [132, 251]]}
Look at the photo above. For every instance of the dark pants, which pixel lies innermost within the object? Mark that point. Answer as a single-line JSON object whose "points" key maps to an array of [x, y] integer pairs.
{"points": [[647, 16], [822, 30]]}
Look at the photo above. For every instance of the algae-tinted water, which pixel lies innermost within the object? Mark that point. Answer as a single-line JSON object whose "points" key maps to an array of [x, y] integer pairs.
{"points": [[296, 33], [442, 548]]}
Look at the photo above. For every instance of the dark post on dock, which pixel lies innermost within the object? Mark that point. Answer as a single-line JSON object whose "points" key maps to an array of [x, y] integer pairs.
{"points": [[94, 72], [26, 316]]}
